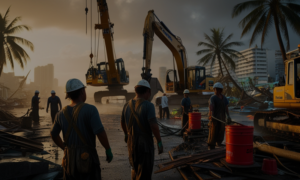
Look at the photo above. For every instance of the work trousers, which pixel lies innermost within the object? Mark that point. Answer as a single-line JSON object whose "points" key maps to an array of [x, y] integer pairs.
{"points": [[95, 174], [184, 120], [166, 111], [35, 115], [216, 133], [53, 114], [143, 164]]}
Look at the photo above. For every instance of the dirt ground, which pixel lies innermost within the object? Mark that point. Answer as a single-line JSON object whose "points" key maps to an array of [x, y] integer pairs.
{"points": [[119, 168]]}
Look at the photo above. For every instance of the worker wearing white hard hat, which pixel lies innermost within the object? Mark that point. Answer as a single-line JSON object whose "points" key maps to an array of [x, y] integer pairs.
{"points": [[218, 110], [186, 108], [139, 133], [35, 107], [54, 101], [87, 127]]}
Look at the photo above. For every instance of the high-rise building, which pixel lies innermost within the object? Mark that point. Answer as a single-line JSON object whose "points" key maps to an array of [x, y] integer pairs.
{"points": [[162, 76], [44, 77]]}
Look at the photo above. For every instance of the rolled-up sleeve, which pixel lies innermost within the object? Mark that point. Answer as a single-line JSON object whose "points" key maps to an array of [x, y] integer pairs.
{"points": [[96, 123]]}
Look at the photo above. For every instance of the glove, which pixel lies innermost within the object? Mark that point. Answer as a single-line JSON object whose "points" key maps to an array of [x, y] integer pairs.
{"points": [[126, 138], [228, 121], [109, 155], [160, 147]]}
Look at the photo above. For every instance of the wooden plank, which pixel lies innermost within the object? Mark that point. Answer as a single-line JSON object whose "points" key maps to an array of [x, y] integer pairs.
{"points": [[178, 168], [211, 167]]}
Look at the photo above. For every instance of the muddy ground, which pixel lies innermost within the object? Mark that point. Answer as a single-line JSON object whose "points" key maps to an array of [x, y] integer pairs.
{"points": [[119, 168]]}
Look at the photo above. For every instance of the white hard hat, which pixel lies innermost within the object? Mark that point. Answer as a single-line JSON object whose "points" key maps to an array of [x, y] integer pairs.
{"points": [[186, 91], [218, 85], [73, 85], [37, 92], [52, 92], [144, 83]]}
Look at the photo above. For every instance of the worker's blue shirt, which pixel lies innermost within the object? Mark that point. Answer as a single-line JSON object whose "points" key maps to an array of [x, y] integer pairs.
{"points": [[54, 101], [35, 102], [186, 103], [146, 114], [218, 106], [88, 123]]}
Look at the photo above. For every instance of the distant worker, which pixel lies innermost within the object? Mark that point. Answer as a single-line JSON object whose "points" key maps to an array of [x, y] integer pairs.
{"points": [[186, 108], [218, 109], [80, 124], [138, 122], [35, 106], [165, 107], [54, 101]]}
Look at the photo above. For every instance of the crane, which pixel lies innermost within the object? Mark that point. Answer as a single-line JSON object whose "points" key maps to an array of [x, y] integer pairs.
{"points": [[185, 77]]}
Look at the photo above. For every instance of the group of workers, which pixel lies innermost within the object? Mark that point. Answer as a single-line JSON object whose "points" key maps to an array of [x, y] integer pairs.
{"points": [[80, 124]]}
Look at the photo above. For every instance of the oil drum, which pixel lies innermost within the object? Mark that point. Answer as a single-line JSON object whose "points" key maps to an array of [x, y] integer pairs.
{"points": [[239, 145], [194, 120]]}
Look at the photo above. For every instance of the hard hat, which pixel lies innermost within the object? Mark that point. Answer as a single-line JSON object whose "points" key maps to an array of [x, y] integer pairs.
{"points": [[186, 91], [144, 83], [298, 45], [218, 85], [37, 92], [52, 92], [73, 85]]}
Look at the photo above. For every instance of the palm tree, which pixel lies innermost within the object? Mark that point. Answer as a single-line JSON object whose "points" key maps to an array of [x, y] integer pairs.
{"points": [[10, 49], [264, 14], [218, 49]]}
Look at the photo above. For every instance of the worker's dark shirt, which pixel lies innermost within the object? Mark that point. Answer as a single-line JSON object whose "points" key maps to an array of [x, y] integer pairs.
{"points": [[186, 103], [88, 122], [146, 114], [218, 106], [54, 103], [35, 102]]}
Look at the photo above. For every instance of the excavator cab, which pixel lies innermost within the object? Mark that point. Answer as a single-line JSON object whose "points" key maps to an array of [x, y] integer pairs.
{"points": [[121, 70], [103, 68], [171, 81], [196, 78]]}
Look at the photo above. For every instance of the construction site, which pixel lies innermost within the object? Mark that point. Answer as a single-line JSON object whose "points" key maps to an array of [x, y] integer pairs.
{"points": [[110, 106]]}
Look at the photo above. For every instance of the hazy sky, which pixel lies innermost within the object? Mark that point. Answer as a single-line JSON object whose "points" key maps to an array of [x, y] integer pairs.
{"points": [[58, 32]]}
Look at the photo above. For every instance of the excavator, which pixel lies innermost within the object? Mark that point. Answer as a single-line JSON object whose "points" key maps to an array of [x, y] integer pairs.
{"points": [[284, 120], [185, 77]]}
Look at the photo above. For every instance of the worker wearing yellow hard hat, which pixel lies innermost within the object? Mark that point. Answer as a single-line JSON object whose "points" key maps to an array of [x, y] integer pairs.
{"points": [[186, 107]]}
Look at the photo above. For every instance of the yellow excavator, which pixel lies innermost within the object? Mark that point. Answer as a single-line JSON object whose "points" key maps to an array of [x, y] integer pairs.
{"points": [[185, 77], [284, 121], [110, 73]]}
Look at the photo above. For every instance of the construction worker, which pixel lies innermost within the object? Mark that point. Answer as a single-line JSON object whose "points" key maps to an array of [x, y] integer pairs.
{"points": [[186, 107], [138, 122], [218, 109], [164, 105], [80, 124], [54, 101], [35, 106]]}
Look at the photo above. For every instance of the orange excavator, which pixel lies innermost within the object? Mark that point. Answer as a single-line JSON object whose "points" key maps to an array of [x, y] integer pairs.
{"points": [[110, 73], [284, 120], [184, 77]]}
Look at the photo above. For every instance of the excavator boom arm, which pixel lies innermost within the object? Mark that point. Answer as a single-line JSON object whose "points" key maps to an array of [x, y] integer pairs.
{"points": [[173, 42]]}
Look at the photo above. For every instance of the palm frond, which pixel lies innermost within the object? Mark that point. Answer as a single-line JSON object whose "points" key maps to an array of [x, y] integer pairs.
{"points": [[239, 8], [267, 26], [229, 45], [227, 39], [205, 59], [257, 12], [22, 41], [204, 51], [258, 29], [206, 44], [209, 39], [254, 21], [17, 29], [228, 60], [294, 7], [284, 29], [13, 22], [18, 52], [233, 52], [292, 18], [6, 14], [9, 56]]}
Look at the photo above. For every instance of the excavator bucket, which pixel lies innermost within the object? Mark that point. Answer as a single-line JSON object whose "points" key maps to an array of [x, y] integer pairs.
{"points": [[155, 87]]}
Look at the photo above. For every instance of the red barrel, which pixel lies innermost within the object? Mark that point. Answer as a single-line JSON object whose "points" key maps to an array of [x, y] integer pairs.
{"points": [[239, 145], [194, 120]]}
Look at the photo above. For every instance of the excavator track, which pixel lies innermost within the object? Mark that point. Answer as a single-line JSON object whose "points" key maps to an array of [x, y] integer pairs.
{"points": [[281, 123]]}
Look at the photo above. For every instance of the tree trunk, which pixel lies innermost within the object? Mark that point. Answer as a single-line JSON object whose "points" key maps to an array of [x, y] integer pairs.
{"points": [[282, 49], [220, 65]]}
